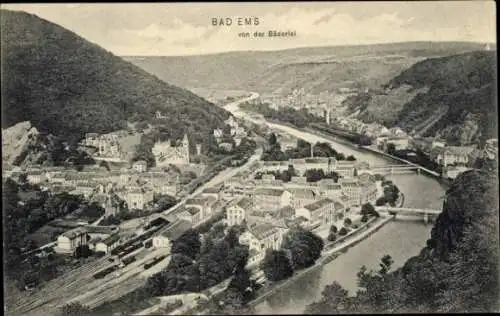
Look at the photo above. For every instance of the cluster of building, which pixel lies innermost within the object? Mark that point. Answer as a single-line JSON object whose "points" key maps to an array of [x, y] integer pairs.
{"points": [[269, 207], [107, 145], [97, 238], [136, 185], [236, 132]]}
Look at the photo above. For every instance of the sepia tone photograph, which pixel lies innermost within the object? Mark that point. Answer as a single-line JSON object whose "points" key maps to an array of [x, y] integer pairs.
{"points": [[269, 158]]}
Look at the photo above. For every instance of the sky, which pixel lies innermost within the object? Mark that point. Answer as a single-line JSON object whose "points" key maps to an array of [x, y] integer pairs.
{"points": [[175, 29]]}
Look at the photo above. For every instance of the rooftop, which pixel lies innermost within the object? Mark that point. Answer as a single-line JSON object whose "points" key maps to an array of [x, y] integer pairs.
{"points": [[262, 230], [75, 232], [302, 192], [176, 229], [268, 191], [245, 203], [316, 205], [111, 240]]}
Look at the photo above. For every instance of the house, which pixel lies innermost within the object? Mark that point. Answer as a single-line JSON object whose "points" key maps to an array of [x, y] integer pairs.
{"points": [[259, 237], [352, 190], [107, 244], [238, 210], [171, 233], [367, 188], [138, 198], [70, 240], [140, 166], [322, 212], [271, 199], [191, 214], [330, 189], [302, 196]]}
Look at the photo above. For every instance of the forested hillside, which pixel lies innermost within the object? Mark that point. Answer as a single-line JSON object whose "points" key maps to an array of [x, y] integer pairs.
{"points": [[457, 271], [67, 86], [458, 90]]}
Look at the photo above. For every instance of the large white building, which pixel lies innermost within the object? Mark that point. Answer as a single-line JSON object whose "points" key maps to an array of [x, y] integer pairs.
{"points": [[238, 210], [322, 212], [271, 199], [70, 240]]}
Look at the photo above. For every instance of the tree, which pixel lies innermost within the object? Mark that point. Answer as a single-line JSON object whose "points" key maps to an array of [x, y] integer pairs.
{"points": [[385, 264], [276, 265], [304, 246], [273, 141], [350, 158], [82, 251], [75, 309], [332, 237], [367, 209], [343, 231], [188, 244], [364, 219], [334, 300], [391, 148], [347, 222], [333, 229], [381, 201]]}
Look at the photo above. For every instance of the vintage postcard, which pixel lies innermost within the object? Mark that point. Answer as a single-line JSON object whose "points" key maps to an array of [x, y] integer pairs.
{"points": [[249, 158]]}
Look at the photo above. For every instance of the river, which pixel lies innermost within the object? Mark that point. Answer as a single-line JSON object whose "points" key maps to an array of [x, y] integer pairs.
{"points": [[400, 239]]}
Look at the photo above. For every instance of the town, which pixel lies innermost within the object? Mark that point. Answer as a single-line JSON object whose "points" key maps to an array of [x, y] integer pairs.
{"points": [[138, 218]]}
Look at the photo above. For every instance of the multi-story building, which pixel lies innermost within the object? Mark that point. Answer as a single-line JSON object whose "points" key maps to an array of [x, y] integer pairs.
{"points": [[259, 237], [70, 240], [166, 154], [191, 214], [138, 198], [271, 199], [322, 212], [238, 210], [302, 196]]}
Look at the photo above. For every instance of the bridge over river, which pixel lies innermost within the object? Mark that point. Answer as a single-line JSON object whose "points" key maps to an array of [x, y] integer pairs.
{"points": [[426, 214]]}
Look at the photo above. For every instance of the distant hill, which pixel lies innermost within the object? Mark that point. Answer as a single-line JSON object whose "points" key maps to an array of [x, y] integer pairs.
{"points": [[315, 69], [67, 86], [453, 97]]}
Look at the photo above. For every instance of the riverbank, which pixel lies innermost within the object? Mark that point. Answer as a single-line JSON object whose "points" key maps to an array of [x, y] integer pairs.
{"points": [[342, 246]]}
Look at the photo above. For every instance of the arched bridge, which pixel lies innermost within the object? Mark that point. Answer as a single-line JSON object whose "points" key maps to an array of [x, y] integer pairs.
{"points": [[425, 213]]}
